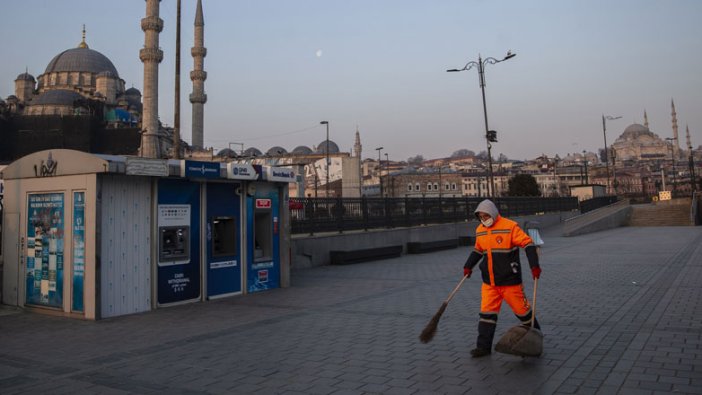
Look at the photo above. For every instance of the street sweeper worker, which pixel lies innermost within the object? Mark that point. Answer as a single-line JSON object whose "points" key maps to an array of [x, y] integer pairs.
{"points": [[497, 243]]}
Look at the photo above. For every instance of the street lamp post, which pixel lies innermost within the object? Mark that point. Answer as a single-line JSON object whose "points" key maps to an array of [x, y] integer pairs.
{"points": [[691, 164], [327, 151], [490, 135], [380, 175], [587, 179], [606, 118], [387, 173]]}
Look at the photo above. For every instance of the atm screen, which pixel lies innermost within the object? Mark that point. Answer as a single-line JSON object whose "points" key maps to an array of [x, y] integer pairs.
{"points": [[174, 243]]}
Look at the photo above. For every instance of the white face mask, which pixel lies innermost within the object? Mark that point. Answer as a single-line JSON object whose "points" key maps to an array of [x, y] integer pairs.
{"points": [[488, 222]]}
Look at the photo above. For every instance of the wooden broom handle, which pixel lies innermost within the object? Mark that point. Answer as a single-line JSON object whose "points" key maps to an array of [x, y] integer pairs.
{"points": [[456, 289], [533, 303]]}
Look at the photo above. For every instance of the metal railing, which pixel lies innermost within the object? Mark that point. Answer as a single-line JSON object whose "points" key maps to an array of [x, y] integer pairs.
{"points": [[310, 215], [595, 203]]}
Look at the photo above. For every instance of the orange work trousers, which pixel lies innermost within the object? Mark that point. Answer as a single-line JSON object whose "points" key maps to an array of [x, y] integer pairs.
{"points": [[492, 297]]}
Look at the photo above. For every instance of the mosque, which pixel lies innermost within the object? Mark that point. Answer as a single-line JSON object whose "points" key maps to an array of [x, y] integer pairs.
{"points": [[73, 79], [78, 102], [638, 145]]}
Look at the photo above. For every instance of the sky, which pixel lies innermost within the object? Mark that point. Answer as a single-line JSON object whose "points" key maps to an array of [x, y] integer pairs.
{"points": [[277, 68]]}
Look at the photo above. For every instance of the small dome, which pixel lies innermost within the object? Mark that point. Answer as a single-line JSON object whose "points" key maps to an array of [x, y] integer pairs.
{"points": [[302, 150], [251, 152], [132, 92], [56, 97], [276, 151], [227, 153], [25, 77], [81, 59], [322, 147]]}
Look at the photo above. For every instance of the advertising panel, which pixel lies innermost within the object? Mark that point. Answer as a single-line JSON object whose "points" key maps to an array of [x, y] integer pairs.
{"points": [[45, 237], [78, 249]]}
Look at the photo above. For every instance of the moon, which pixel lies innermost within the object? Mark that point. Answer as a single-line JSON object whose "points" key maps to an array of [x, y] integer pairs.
{"points": [[318, 53]]}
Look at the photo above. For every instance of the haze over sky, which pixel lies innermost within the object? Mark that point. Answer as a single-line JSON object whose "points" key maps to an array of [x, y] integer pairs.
{"points": [[278, 68]]}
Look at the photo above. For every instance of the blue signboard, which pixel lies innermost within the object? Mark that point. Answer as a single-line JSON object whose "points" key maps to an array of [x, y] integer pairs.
{"points": [[223, 235], [45, 235], [78, 249], [194, 169], [178, 241]]}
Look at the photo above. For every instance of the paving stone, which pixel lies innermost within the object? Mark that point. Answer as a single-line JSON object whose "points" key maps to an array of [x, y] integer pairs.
{"points": [[353, 329]]}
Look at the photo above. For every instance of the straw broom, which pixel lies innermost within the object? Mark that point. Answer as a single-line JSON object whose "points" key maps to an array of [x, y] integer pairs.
{"points": [[430, 330]]}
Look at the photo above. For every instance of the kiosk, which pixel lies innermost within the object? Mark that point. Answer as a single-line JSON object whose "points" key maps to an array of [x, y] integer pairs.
{"points": [[95, 236]]}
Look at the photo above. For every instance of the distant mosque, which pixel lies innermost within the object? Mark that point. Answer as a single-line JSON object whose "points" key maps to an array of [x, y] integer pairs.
{"points": [[80, 102], [73, 83], [639, 144]]}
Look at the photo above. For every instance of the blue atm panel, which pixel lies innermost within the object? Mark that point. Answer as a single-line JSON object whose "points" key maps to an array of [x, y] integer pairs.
{"points": [[223, 239], [263, 227], [178, 241]]}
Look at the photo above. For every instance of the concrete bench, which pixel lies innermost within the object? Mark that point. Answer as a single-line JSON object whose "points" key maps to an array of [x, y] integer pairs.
{"points": [[420, 247], [364, 255]]}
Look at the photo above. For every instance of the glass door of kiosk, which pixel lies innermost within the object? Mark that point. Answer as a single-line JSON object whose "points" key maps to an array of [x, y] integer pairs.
{"points": [[222, 239]]}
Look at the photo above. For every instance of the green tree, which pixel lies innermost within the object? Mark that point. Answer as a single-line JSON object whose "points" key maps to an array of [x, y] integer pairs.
{"points": [[523, 185]]}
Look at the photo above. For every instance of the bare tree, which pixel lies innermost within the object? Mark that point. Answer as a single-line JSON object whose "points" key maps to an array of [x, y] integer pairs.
{"points": [[463, 152], [416, 160]]}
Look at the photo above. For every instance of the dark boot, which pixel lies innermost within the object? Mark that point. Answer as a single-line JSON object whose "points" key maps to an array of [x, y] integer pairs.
{"points": [[486, 332]]}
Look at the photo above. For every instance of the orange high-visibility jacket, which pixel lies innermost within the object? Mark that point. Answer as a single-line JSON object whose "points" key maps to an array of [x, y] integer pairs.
{"points": [[497, 250]]}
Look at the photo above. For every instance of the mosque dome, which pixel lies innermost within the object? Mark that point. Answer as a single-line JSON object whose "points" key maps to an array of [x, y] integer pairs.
{"points": [[132, 92], [60, 97], [276, 151], [302, 150], [636, 131], [322, 147], [81, 59], [252, 152], [25, 77], [225, 153]]}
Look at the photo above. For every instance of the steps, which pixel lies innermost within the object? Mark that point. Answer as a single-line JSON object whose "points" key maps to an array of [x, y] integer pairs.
{"points": [[670, 213]]}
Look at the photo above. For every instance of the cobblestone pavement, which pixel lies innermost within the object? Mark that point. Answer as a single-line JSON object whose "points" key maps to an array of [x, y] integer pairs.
{"points": [[621, 311]]}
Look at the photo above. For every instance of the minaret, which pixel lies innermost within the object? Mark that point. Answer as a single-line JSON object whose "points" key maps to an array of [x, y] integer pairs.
{"points": [[676, 142], [357, 145], [198, 76], [645, 119], [151, 56], [357, 148]]}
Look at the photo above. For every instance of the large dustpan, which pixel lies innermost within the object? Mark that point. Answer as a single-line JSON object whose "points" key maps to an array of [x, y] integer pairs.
{"points": [[522, 340]]}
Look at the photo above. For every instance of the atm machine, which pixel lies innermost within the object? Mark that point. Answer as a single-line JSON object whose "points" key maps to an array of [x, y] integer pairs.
{"points": [[223, 234], [178, 265], [263, 259]]}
